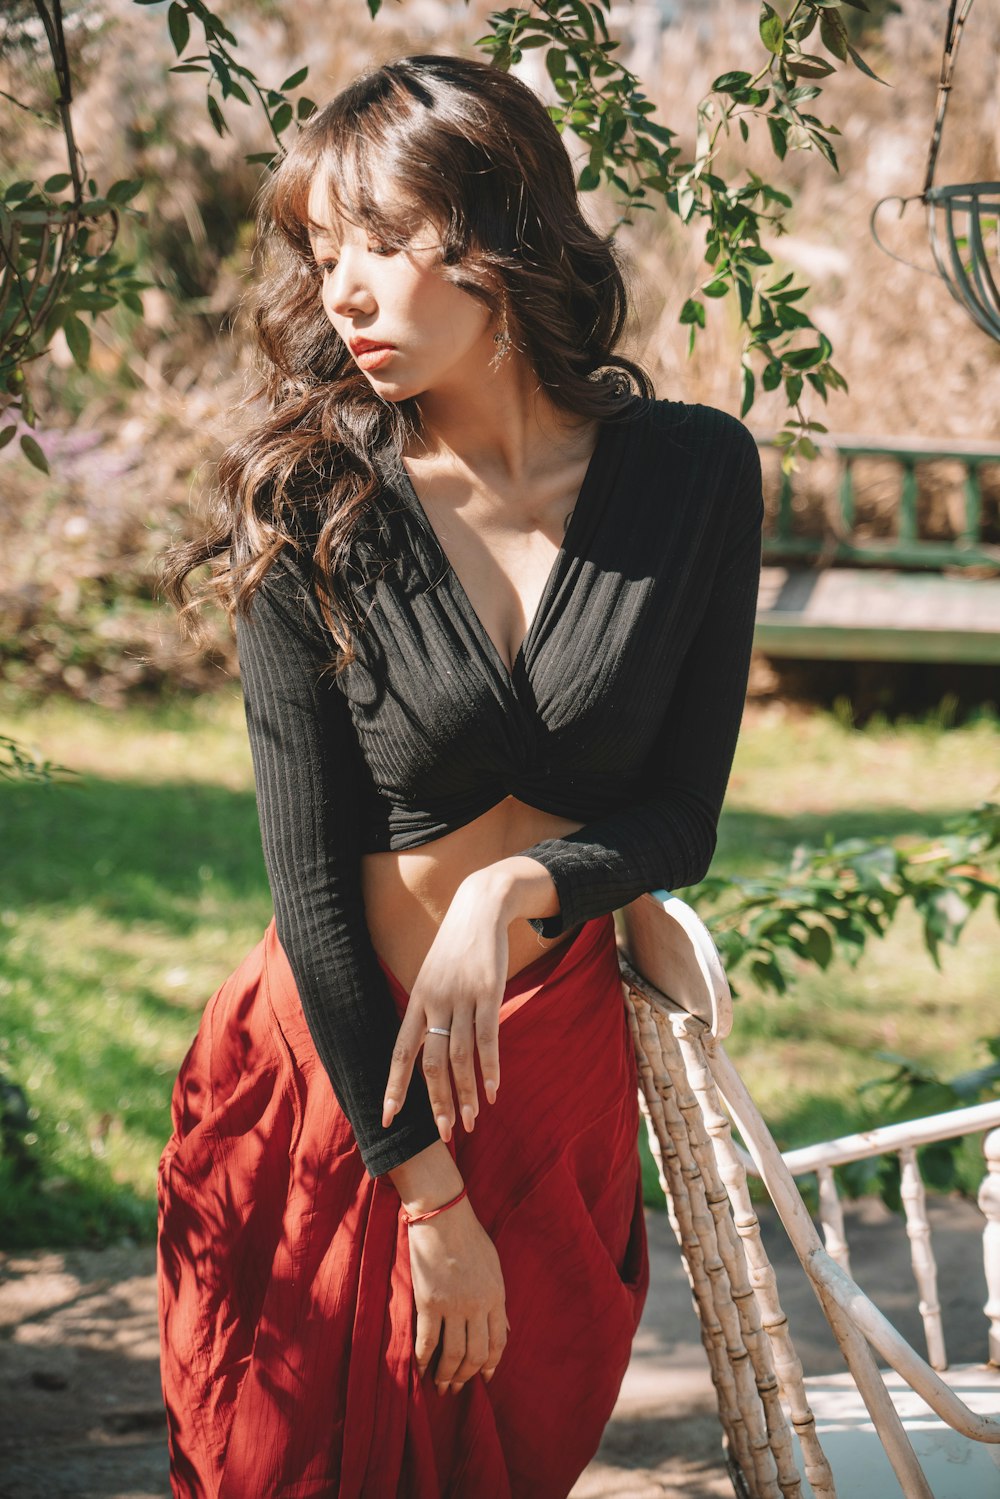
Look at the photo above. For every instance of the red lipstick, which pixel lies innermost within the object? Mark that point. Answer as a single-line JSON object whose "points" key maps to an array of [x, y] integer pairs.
{"points": [[369, 353]]}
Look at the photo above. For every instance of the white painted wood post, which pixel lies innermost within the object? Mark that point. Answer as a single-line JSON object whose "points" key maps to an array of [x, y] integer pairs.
{"points": [[922, 1255], [989, 1203], [831, 1216]]}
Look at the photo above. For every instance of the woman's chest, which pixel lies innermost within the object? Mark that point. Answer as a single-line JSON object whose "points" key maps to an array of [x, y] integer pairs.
{"points": [[436, 707]]}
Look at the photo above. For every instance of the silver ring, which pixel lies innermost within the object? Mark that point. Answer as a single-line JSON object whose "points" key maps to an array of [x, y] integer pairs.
{"points": [[437, 1030]]}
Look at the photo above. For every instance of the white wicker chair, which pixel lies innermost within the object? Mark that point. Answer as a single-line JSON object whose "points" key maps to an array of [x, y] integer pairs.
{"points": [[937, 1430]]}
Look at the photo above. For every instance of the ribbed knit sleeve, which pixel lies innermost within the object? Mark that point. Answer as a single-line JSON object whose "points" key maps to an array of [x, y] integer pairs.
{"points": [[668, 838], [310, 795]]}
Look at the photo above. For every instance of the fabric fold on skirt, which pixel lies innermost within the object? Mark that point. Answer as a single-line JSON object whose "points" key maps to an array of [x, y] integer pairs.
{"points": [[285, 1300]]}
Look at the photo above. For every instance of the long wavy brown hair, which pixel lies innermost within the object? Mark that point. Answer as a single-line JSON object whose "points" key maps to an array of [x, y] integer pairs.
{"points": [[474, 150]]}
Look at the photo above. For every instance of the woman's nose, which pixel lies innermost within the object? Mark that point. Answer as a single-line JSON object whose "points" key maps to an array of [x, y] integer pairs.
{"points": [[347, 292]]}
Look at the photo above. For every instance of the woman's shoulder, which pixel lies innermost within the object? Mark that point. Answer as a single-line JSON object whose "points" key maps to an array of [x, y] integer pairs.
{"points": [[697, 427], [706, 446]]}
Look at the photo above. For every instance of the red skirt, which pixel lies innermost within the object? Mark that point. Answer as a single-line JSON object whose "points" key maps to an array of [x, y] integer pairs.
{"points": [[285, 1301]]}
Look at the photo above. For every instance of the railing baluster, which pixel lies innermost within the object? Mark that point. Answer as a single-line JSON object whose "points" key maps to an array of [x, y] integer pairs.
{"points": [[831, 1216], [906, 530], [784, 529], [973, 529], [922, 1255], [989, 1203], [847, 494]]}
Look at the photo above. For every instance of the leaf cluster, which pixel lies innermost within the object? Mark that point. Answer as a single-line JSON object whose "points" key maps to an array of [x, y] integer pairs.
{"points": [[628, 150], [53, 276], [637, 157], [832, 901], [20, 764], [56, 277]]}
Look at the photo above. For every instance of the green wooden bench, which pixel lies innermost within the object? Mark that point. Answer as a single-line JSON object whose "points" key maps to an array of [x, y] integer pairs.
{"points": [[905, 597]]}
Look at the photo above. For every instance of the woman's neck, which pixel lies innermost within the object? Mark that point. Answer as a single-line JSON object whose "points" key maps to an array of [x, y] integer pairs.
{"points": [[503, 426]]}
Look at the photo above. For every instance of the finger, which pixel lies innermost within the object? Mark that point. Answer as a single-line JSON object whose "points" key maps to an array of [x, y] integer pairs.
{"points": [[461, 1057], [477, 1347], [427, 1338], [438, 1076], [452, 1352], [404, 1055], [498, 1328], [488, 1046]]}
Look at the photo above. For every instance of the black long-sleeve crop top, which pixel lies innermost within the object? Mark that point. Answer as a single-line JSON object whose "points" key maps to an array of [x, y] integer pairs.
{"points": [[621, 712]]}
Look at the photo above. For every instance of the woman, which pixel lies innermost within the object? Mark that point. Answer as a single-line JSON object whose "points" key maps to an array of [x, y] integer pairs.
{"points": [[494, 606]]}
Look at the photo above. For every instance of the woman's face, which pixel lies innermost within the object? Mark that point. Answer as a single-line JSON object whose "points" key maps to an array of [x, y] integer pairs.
{"points": [[429, 334]]}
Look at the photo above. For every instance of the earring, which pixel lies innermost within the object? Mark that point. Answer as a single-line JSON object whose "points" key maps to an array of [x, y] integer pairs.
{"points": [[501, 338]]}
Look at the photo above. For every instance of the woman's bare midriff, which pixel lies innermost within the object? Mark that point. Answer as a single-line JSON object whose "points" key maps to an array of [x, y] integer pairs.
{"points": [[406, 894]]}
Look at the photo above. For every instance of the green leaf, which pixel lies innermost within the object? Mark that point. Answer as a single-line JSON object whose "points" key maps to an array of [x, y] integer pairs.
{"points": [[793, 388], [744, 129], [771, 377], [693, 312], [779, 136], [78, 338], [801, 359], [282, 118], [731, 83], [555, 63], [772, 32], [305, 108], [749, 386], [215, 115], [179, 27], [58, 182], [715, 288], [33, 453], [859, 62], [187, 67], [7, 435], [374, 6], [757, 255], [807, 66], [820, 946], [125, 190], [831, 29], [295, 80]]}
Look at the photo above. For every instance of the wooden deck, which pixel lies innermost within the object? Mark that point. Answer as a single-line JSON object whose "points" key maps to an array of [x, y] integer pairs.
{"points": [[877, 614]]}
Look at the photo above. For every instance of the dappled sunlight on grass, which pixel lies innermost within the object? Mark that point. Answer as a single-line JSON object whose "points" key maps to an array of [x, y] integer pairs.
{"points": [[134, 892]]}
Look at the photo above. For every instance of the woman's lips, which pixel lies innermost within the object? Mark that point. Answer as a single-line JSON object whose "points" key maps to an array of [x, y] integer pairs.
{"points": [[374, 358]]}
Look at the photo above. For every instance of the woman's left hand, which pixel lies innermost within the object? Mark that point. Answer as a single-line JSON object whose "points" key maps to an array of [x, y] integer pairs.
{"points": [[459, 989]]}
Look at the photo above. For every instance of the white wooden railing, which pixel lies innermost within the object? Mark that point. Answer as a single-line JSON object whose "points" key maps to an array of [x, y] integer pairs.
{"points": [[904, 1140]]}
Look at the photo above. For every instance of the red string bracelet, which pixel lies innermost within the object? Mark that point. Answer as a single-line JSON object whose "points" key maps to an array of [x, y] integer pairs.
{"points": [[409, 1218]]}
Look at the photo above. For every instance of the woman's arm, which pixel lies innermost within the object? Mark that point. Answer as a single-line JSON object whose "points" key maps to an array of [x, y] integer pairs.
{"points": [[309, 779]]}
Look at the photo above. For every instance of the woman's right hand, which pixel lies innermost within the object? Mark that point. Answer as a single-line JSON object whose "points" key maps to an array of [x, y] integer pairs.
{"points": [[459, 1294]]}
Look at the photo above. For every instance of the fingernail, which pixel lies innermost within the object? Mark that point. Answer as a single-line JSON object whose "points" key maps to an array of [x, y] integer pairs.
{"points": [[388, 1109], [441, 1386], [491, 1091], [468, 1118], [444, 1125]]}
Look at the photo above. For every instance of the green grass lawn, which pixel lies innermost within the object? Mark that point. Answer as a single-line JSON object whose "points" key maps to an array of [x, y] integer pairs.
{"points": [[127, 897]]}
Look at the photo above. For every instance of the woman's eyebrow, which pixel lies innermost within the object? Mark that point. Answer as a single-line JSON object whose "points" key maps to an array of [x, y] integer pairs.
{"points": [[320, 231]]}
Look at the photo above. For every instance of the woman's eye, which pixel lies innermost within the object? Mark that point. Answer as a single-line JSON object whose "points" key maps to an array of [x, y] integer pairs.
{"points": [[326, 265]]}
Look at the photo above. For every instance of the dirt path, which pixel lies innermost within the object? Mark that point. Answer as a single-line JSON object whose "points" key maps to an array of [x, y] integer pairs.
{"points": [[81, 1415]]}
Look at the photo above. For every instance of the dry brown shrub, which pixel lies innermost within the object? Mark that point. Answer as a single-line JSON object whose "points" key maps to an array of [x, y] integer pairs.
{"points": [[132, 444]]}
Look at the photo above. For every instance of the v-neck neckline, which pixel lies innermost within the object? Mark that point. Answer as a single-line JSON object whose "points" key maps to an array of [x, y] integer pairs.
{"points": [[576, 518]]}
